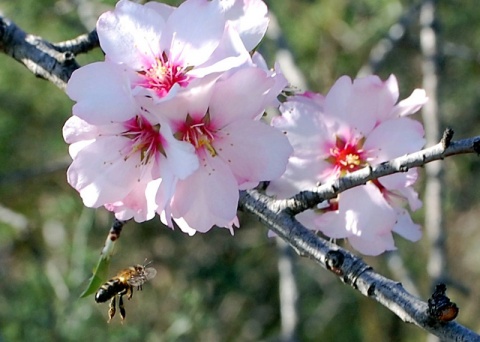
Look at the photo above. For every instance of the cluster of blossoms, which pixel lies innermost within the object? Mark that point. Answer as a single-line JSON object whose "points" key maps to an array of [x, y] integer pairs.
{"points": [[356, 124], [169, 123]]}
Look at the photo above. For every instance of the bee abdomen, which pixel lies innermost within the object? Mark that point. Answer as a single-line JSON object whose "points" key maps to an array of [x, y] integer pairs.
{"points": [[108, 290]]}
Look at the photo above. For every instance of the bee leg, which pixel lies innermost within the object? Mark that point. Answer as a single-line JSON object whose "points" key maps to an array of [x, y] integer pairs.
{"points": [[122, 308], [111, 308], [129, 292]]}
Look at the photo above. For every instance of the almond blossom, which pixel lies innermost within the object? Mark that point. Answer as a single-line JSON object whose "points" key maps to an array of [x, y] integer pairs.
{"points": [[356, 124], [170, 122], [165, 49], [236, 150], [123, 156]]}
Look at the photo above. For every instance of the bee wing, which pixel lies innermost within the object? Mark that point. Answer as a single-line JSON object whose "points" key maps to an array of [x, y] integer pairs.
{"points": [[150, 273], [140, 279], [137, 280]]}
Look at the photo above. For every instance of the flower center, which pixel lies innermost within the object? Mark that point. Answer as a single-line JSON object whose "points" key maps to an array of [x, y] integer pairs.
{"points": [[163, 74], [347, 157], [199, 133], [145, 138]]}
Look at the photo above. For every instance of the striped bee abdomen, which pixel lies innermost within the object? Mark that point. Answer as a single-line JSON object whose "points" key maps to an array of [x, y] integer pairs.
{"points": [[109, 289]]}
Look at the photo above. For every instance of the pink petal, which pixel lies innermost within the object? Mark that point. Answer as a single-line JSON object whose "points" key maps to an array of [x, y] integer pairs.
{"points": [[249, 18], [102, 92], [406, 228], [363, 212], [229, 54], [301, 174], [165, 193], [184, 226], [163, 9], [228, 101], [139, 204], [356, 105], [253, 150], [76, 129], [76, 147], [332, 224], [374, 246], [310, 98], [193, 31], [336, 100], [366, 211], [399, 180], [412, 197], [305, 128], [394, 138], [78, 133], [131, 34], [101, 174], [276, 74], [412, 104], [180, 155], [194, 101], [384, 95], [208, 197], [281, 83]]}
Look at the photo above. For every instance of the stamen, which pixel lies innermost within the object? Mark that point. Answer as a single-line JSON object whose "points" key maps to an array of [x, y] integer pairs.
{"points": [[164, 74], [347, 157], [199, 134], [146, 139]]}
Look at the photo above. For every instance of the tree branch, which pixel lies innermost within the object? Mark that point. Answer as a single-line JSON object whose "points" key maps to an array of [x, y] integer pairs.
{"points": [[350, 269], [82, 44], [52, 62]]}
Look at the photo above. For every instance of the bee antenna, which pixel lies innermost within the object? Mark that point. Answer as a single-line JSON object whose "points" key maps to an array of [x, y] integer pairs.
{"points": [[145, 263]]}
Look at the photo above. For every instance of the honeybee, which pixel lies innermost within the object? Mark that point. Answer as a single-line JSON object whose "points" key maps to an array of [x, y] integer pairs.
{"points": [[122, 284]]}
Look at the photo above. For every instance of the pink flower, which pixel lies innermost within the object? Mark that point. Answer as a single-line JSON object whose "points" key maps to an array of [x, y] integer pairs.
{"points": [[354, 125], [123, 157], [169, 122], [165, 49], [235, 149]]}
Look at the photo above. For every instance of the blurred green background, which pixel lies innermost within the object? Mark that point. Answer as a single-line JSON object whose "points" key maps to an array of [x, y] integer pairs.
{"points": [[215, 287]]}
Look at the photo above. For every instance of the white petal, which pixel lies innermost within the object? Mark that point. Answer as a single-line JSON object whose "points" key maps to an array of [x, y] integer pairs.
{"points": [[103, 95], [208, 197], [181, 157], [101, 173], [374, 246], [131, 34], [406, 228], [253, 150], [394, 138], [241, 96], [411, 104], [193, 31], [249, 18]]}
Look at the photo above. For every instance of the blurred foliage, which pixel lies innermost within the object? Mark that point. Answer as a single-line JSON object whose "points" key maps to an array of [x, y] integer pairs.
{"points": [[216, 287]]}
